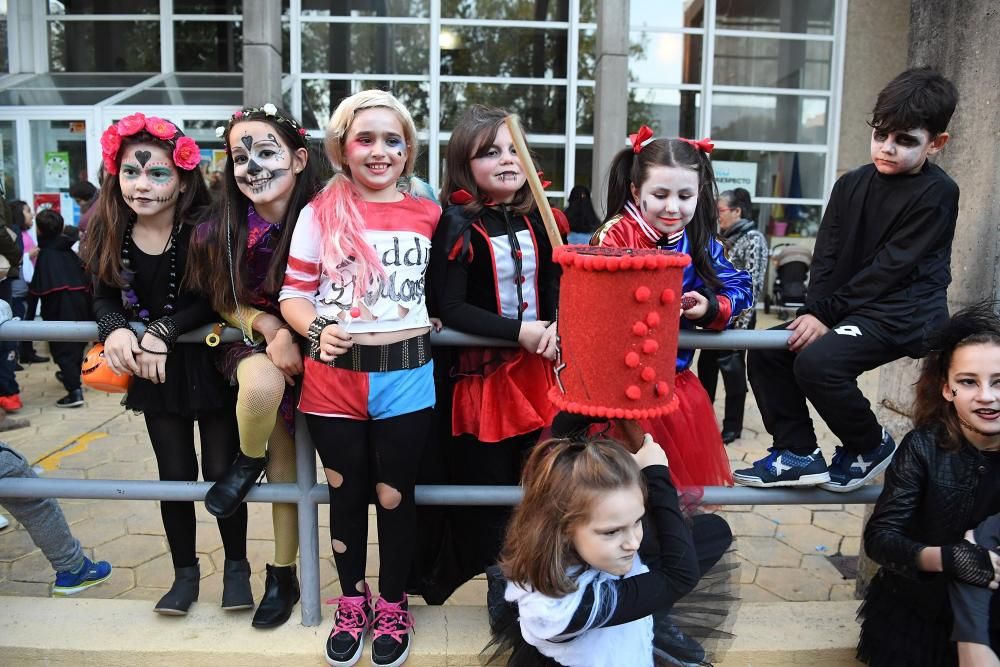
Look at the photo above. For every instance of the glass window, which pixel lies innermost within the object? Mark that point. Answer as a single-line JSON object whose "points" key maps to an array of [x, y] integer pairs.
{"points": [[769, 118], [58, 154], [51, 97], [666, 14], [414, 8], [488, 51], [583, 163], [8, 160], [664, 57], [772, 63], [509, 10], [104, 46], [208, 46], [788, 220], [170, 96], [669, 112], [809, 16], [320, 97], [208, 6], [4, 56], [588, 11], [774, 174], [542, 108], [57, 7], [364, 48]]}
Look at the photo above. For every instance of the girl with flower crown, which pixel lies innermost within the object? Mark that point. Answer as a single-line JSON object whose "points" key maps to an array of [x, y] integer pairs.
{"points": [[136, 248], [239, 258]]}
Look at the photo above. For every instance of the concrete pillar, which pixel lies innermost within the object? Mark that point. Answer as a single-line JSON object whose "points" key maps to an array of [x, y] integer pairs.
{"points": [[261, 52], [610, 93]]}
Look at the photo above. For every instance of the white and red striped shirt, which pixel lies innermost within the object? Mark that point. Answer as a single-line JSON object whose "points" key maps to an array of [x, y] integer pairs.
{"points": [[400, 233]]}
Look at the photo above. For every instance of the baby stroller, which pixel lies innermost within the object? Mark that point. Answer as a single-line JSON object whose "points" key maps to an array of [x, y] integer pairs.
{"points": [[791, 271]]}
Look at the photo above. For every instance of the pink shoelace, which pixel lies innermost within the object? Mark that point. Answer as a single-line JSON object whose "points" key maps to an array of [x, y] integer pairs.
{"points": [[350, 616], [391, 619]]}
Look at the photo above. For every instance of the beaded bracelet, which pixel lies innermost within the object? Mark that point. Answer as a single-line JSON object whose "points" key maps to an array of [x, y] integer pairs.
{"points": [[315, 331], [165, 329], [146, 349], [110, 323]]}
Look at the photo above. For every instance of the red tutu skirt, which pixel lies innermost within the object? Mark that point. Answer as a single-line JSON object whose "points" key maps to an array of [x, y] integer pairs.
{"points": [[501, 392], [690, 437]]}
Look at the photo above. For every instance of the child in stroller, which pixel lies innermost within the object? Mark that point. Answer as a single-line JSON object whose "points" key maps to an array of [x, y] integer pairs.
{"points": [[791, 266]]}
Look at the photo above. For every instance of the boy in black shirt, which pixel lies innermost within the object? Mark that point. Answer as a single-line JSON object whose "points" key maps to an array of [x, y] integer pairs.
{"points": [[881, 268]]}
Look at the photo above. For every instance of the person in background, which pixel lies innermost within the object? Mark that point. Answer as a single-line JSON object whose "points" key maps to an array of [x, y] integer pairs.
{"points": [[84, 194], [580, 213], [21, 220], [748, 251], [10, 392]]}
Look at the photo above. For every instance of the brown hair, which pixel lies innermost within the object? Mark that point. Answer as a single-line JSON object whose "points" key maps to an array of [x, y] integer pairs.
{"points": [[475, 133], [976, 325], [561, 480], [102, 246]]}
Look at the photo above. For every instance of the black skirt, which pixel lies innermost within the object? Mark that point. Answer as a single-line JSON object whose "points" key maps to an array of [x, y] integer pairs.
{"points": [[193, 386]]}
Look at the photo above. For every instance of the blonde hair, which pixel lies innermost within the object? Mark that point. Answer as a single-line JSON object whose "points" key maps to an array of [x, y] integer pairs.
{"points": [[337, 207]]}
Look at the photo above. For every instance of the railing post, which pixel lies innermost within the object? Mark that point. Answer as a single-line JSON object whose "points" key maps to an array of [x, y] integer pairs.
{"points": [[305, 466]]}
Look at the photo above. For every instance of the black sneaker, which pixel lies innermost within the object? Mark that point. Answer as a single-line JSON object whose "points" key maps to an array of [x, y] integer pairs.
{"points": [[391, 632], [73, 399], [783, 468], [351, 622], [849, 471]]}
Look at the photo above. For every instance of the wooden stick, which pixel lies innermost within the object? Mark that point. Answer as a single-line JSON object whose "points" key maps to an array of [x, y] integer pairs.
{"points": [[535, 183]]}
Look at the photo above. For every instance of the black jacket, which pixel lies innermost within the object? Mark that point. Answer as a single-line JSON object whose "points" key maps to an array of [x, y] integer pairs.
{"points": [[928, 500]]}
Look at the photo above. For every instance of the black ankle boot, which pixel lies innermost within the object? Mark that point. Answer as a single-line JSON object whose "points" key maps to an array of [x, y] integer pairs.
{"points": [[281, 592], [225, 496], [178, 599], [236, 593]]}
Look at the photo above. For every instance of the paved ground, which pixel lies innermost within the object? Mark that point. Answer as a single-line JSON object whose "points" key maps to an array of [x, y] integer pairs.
{"points": [[784, 549]]}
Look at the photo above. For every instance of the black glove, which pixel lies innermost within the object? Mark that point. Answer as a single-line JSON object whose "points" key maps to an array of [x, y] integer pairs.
{"points": [[968, 563]]}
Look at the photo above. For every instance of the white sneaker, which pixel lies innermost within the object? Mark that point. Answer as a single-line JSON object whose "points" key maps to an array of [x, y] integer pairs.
{"points": [[3, 522]]}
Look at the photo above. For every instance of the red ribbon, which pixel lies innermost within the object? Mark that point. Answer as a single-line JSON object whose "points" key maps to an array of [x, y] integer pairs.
{"points": [[705, 145], [640, 138]]}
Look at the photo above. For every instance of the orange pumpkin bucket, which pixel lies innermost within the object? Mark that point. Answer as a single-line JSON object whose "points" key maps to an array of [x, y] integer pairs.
{"points": [[96, 374]]}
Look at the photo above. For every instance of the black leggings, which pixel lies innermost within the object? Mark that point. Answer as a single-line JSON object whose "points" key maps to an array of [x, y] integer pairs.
{"points": [[173, 443], [364, 454]]}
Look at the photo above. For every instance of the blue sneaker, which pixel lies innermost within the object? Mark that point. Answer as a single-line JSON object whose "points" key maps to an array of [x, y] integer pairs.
{"points": [[87, 575], [783, 468], [849, 471]]}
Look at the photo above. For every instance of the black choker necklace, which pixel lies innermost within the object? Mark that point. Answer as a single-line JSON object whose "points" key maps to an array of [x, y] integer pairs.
{"points": [[129, 298]]}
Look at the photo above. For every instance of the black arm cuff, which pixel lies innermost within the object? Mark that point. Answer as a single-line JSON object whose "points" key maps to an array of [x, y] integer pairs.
{"points": [[111, 323], [713, 307]]}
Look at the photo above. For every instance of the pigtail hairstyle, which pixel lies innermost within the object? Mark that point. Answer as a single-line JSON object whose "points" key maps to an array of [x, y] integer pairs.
{"points": [[337, 208], [472, 137], [209, 262], [630, 167], [562, 479], [974, 325], [102, 246]]}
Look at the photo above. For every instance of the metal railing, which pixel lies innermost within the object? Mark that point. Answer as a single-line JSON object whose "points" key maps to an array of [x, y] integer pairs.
{"points": [[308, 495]]}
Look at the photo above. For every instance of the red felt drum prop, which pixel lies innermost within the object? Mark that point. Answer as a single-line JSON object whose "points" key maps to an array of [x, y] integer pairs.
{"points": [[619, 316], [95, 373]]}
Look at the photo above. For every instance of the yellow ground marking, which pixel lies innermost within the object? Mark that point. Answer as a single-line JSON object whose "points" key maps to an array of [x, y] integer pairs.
{"points": [[74, 445]]}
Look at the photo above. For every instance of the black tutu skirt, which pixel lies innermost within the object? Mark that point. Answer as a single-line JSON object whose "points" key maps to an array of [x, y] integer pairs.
{"points": [[193, 386], [706, 614]]}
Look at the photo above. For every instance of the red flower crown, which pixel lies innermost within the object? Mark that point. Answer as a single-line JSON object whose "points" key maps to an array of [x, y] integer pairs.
{"points": [[186, 154]]}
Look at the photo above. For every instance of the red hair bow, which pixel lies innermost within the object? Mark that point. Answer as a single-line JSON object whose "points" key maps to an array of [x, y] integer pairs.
{"points": [[640, 138], [705, 145]]}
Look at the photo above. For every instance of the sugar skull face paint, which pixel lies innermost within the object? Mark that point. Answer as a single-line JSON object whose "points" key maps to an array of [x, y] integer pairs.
{"points": [[148, 179], [668, 198], [375, 151], [264, 166]]}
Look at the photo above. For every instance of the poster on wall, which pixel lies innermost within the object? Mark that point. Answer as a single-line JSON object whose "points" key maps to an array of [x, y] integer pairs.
{"points": [[56, 169], [731, 175], [44, 200], [69, 209]]}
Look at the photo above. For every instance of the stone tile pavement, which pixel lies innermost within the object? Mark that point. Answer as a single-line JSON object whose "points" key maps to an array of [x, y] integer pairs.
{"points": [[784, 549]]}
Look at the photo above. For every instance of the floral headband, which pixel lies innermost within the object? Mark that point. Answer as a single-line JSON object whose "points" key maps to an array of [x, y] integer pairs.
{"points": [[186, 154], [268, 111], [644, 137]]}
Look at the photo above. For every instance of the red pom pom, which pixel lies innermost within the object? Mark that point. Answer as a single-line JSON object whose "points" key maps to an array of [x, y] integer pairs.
{"points": [[633, 392], [648, 374], [632, 360], [625, 263], [612, 266], [650, 346], [688, 302], [640, 329], [355, 312], [653, 319], [662, 388], [618, 413], [642, 294], [600, 263], [666, 296]]}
